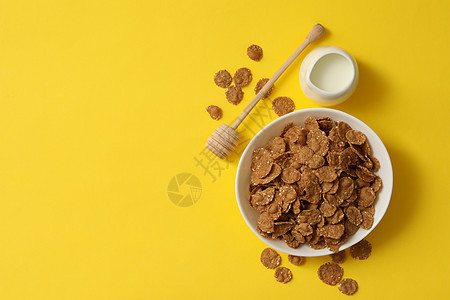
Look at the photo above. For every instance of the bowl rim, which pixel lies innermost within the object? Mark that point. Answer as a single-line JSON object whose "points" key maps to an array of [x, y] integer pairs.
{"points": [[312, 111]]}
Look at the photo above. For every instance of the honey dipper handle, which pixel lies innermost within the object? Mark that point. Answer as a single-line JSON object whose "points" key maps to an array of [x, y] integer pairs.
{"points": [[315, 33]]}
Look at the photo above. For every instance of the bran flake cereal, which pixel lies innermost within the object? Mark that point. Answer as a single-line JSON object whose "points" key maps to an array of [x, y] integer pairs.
{"points": [[283, 105], [270, 258], [339, 257], [234, 94], [260, 84], [311, 187], [283, 275], [215, 112], [330, 273], [361, 250], [348, 286], [222, 79], [296, 260], [255, 52], [242, 77]]}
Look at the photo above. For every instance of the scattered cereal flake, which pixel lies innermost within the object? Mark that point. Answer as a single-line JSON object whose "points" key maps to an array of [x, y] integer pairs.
{"points": [[260, 85], [290, 175], [242, 77], [234, 94], [330, 273], [215, 112], [222, 79], [255, 52], [354, 215], [348, 286], [296, 260], [270, 258], [283, 275], [338, 257], [361, 250], [317, 141], [283, 105], [355, 137], [366, 197]]}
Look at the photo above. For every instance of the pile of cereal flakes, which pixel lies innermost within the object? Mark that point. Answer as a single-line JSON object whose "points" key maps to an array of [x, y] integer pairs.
{"points": [[330, 273], [243, 77], [315, 184]]}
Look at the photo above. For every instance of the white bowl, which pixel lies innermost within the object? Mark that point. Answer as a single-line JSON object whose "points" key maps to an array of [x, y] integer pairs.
{"points": [[274, 129]]}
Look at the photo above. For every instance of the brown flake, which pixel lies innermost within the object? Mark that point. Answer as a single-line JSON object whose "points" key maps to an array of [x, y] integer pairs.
{"points": [[234, 94], [317, 141], [222, 79], [336, 217], [242, 77], [376, 185], [348, 286], [296, 260], [332, 231], [366, 197], [338, 257], [260, 84], [283, 105], [311, 123], [283, 275], [361, 250], [215, 112], [327, 209], [255, 52], [355, 137], [265, 222], [354, 215], [270, 258], [342, 130], [330, 273]]}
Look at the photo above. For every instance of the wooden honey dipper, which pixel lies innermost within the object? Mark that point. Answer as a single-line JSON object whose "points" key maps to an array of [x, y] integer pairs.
{"points": [[225, 138]]}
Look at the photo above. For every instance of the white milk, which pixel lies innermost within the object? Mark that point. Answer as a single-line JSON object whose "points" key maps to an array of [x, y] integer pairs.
{"points": [[332, 73]]}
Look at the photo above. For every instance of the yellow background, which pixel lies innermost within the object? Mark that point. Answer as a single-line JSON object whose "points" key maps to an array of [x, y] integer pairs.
{"points": [[103, 102]]}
